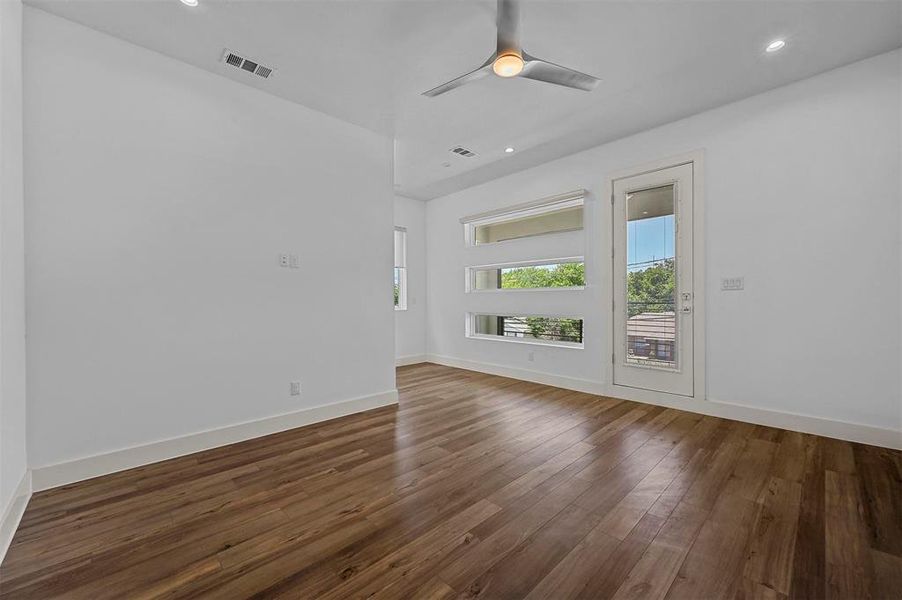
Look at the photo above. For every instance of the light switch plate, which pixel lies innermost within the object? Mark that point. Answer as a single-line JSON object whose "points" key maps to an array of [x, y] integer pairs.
{"points": [[730, 284]]}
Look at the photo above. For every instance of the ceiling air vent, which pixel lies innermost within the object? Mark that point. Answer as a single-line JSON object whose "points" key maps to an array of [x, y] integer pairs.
{"points": [[245, 64], [461, 151]]}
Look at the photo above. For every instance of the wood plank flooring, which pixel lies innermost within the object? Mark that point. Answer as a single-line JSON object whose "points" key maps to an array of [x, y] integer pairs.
{"points": [[478, 486]]}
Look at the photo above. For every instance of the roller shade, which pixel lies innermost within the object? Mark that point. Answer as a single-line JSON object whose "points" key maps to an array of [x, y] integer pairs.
{"points": [[400, 248]]}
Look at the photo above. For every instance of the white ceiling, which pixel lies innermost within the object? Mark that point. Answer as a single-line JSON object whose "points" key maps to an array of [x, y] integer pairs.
{"points": [[366, 61]]}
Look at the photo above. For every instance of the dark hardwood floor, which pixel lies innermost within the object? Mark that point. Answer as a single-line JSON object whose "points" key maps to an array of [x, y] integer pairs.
{"points": [[481, 487]]}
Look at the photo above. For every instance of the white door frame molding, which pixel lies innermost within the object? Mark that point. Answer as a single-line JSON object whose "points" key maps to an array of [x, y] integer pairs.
{"points": [[696, 159]]}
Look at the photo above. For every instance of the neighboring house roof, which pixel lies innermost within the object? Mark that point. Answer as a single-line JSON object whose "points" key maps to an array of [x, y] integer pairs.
{"points": [[516, 325], [658, 326]]}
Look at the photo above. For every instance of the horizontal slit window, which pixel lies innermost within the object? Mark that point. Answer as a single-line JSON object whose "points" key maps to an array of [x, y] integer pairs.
{"points": [[565, 219], [550, 215], [562, 331], [560, 273]]}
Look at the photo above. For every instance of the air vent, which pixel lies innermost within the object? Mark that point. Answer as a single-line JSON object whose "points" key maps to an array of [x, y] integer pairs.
{"points": [[246, 64], [461, 151]]}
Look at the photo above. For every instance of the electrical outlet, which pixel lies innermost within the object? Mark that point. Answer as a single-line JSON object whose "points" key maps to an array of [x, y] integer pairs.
{"points": [[732, 283], [531, 357], [295, 388], [283, 260]]}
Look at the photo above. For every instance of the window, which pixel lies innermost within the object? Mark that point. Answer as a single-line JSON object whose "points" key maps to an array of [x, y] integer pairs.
{"points": [[400, 275], [557, 214], [549, 215], [558, 331], [562, 273]]}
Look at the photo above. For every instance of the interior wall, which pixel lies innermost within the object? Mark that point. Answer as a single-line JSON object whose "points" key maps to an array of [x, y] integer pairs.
{"points": [[410, 324], [12, 260], [160, 198], [803, 199]]}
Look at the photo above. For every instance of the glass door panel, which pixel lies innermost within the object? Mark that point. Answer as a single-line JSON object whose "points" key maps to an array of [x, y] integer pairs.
{"points": [[650, 278]]}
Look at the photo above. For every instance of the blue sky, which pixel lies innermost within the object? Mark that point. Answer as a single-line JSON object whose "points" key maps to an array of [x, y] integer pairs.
{"points": [[648, 239]]}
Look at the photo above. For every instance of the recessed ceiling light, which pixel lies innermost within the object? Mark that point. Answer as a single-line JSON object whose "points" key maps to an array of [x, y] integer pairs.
{"points": [[771, 47], [509, 149], [508, 65], [189, 2]]}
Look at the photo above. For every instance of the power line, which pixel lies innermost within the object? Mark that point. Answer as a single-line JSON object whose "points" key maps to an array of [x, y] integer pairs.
{"points": [[649, 262]]}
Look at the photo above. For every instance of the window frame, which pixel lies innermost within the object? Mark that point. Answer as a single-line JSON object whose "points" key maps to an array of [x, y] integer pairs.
{"points": [[471, 331], [535, 208], [470, 275], [400, 270]]}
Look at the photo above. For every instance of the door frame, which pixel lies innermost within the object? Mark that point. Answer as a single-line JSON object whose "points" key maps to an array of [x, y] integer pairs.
{"points": [[696, 159]]}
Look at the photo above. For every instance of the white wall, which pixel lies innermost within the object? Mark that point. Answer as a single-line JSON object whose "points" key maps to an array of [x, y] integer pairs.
{"points": [[12, 260], [159, 197], [410, 324], [803, 200]]}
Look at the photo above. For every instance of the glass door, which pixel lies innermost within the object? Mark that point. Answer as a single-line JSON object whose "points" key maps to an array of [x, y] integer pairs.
{"points": [[653, 316]]}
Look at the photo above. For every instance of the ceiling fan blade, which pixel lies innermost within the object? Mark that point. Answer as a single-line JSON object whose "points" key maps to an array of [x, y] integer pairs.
{"points": [[508, 27], [542, 70], [479, 73]]}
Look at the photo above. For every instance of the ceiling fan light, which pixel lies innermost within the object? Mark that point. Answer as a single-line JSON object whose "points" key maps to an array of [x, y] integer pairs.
{"points": [[508, 65]]}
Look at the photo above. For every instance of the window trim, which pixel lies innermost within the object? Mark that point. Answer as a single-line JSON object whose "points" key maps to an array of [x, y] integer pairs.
{"points": [[472, 335], [470, 276], [522, 211]]}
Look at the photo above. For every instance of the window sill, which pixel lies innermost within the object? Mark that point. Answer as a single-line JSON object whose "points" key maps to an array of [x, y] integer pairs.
{"points": [[573, 288], [560, 232], [533, 342]]}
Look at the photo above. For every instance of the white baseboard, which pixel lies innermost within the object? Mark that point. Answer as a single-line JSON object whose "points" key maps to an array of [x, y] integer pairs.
{"points": [[12, 516], [411, 359], [561, 381], [853, 432], [55, 475], [842, 430]]}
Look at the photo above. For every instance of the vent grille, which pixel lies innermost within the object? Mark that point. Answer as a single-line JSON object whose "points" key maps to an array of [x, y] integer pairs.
{"points": [[461, 151], [246, 64]]}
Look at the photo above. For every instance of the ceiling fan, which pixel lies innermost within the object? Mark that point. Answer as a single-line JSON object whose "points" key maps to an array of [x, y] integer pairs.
{"points": [[509, 60]]}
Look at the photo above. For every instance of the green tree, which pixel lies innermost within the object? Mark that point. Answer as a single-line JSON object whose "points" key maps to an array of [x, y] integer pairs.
{"points": [[548, 276], [568, 330], [561, 275], [397, 283], [651, 289]]}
